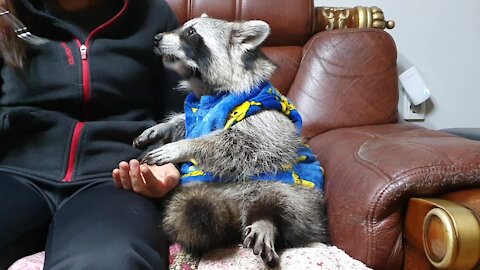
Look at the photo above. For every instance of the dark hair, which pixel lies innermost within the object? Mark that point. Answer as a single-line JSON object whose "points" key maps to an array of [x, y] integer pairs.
{"points": [[12, 48]]}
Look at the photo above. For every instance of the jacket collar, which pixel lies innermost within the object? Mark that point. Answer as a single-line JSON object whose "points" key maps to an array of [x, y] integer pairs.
{"points": [[33, 14]]}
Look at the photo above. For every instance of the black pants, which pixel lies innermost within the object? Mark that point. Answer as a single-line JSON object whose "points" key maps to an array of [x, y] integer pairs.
{"points": [[81, 226]]}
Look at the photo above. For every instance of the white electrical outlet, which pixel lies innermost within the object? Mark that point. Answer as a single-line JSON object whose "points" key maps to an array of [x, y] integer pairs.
{"points": [[414, 86], [412, 112]]}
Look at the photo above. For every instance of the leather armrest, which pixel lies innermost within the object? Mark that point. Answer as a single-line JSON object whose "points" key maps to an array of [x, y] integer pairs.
{"points": [[372, 171]]}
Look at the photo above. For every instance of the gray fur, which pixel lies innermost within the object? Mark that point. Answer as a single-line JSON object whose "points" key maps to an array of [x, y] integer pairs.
{"points": [[214, 56], [171, 130], [261, 143], [268, 214], [224, 69]]}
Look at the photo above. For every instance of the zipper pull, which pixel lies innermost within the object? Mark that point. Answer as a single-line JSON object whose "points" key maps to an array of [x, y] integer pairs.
{"points": [[83, 51]]}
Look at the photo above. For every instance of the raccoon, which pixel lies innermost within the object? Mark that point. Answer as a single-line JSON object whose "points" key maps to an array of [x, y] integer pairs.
{"points": [[247, 176]]}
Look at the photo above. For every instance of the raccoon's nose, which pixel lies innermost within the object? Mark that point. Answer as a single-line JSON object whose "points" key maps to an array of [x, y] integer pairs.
{"points": [[157, 39]]}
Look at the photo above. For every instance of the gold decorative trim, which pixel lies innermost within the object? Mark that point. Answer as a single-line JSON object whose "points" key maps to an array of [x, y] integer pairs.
{"points": [[373, 17], [329, 18], [362, 17], [329, 15], [369, 17], [462, 235], [450, 238], [342, 18]]}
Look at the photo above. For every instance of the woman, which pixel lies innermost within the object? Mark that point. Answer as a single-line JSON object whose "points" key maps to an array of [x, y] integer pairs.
{"points": [[69, 110]]}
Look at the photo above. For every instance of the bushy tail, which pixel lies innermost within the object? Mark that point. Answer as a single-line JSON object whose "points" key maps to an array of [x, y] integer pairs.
{"points": [[200, 219]]}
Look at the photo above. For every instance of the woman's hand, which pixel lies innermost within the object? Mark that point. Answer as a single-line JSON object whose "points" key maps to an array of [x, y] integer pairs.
{"points": [[150, 181]]}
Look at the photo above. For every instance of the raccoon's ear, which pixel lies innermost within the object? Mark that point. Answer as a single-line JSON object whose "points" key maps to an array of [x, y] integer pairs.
{"points": [[249, 34], [204, 15]]}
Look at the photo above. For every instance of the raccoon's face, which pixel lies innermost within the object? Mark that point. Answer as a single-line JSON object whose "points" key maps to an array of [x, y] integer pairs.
{"points": [[184, 50], [216, 52]]}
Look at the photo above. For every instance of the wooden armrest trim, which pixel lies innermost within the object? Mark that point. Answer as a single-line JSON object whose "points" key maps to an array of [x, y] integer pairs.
{"points": [[461, 232], [329, 18], [450, 234]]}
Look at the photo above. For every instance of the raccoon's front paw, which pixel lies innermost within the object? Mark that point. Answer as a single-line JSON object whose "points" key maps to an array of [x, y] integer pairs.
{"points": [[156, 134], [169, 153], [261, 237]]}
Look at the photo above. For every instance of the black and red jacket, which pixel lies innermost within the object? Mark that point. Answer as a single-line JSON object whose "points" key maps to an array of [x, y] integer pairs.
{"points": [[72, 112]]}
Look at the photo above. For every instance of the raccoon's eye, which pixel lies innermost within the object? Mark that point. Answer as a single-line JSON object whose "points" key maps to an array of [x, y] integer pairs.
{"points": [[191, 31]]}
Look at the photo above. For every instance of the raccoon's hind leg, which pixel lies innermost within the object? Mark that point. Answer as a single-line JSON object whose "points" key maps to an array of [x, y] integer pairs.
{"points": [[275, 214], [201, 219], [303, 219], [261, 210], [260, 236]]}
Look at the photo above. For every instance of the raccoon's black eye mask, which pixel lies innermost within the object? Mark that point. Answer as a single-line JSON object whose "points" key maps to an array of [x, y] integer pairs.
{"points": [[189, 34], [191, 31]]}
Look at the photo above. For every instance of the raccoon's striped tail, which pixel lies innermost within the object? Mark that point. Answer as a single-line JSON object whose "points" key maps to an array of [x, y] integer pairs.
{"points": [[200, 219]]}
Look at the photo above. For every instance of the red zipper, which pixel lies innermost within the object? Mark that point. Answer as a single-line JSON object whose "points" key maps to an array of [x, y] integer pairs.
{"points": [[85, 75], [73, 151], [77, 132]]}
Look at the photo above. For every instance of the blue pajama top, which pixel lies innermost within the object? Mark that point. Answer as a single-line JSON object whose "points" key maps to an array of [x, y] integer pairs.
{"points": [[224, 110]]}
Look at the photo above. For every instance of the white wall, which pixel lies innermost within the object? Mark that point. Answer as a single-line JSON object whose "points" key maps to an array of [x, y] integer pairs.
{"points": [[442, 39]]}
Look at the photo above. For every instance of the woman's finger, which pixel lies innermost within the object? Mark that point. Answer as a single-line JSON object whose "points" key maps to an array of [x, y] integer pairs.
{"points": [[116, 178], [171, 181], [160, 179], [125, 175], [138, 185], [151, 181]]}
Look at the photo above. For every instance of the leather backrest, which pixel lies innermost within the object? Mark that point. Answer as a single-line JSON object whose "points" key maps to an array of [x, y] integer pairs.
{"points": [[291, 20], [346, 78]]}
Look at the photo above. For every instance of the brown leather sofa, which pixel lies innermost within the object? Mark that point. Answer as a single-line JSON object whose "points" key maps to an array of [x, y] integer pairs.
{"points": [[344, 83]]}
